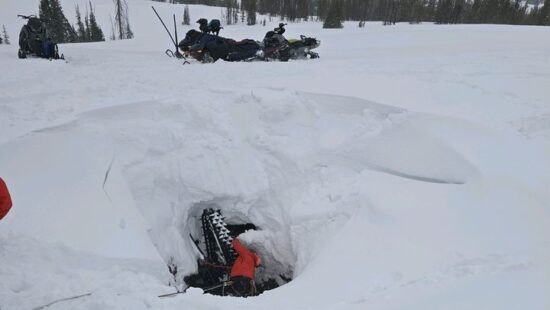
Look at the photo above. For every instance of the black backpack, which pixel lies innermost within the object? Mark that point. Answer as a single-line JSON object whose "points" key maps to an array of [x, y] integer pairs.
{"points": [[215, 26], [203, 25]]}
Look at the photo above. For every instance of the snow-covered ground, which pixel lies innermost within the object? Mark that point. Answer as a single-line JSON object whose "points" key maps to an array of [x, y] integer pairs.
{"points": [[407, 168]]}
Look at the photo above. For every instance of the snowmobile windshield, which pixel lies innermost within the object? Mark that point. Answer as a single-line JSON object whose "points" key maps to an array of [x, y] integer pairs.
{"points": [[191, 38], [35, 24]]}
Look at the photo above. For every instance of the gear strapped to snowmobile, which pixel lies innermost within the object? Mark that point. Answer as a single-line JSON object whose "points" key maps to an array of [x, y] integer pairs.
{"points": [[34, 40], [212, 27]]}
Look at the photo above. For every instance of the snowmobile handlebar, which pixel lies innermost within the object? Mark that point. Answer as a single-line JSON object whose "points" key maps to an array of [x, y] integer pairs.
{"points": [[26, 16]]}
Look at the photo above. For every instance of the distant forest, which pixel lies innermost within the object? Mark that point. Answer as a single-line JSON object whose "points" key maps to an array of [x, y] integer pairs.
{"points": [[514, 12]]}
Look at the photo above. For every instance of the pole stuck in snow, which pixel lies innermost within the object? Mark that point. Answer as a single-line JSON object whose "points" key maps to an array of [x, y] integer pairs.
{"points": [[169, 52], [173, 41]]}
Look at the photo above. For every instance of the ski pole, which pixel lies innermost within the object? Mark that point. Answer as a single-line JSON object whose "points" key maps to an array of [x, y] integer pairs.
{"points": [[224, 284], [173, 41], [176, 35]]}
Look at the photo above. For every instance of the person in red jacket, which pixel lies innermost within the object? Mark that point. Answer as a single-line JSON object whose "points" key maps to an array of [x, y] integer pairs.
{"points": [[5, 199], [243, 270]]}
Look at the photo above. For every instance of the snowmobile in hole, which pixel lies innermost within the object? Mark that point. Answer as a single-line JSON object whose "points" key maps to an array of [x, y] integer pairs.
{"points": [[217, 255], [34, 40]]}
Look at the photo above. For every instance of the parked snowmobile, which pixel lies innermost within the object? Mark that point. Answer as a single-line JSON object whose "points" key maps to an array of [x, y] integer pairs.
{"points": [[209, 48], [277, 47], [34, 40]]}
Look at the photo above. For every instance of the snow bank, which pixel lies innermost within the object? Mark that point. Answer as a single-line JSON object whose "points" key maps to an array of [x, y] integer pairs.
{"points": [[405, 169]]}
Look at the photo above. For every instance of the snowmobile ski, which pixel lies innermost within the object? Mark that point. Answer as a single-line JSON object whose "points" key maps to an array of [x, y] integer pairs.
{"points": [[169, 52]]}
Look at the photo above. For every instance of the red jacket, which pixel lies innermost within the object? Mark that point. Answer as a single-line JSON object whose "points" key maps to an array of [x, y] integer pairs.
{"points": [[246, 263], [5, 199]]}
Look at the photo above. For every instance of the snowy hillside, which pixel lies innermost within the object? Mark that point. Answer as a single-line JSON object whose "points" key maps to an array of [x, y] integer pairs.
{"points": [[407, 168]]}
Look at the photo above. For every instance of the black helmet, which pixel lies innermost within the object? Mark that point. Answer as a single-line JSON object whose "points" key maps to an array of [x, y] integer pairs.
{"points": [[281, 25], [202, 21]]}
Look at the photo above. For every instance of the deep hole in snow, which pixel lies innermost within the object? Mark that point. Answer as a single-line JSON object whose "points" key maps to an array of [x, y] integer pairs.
{"points": [[213, 238]]}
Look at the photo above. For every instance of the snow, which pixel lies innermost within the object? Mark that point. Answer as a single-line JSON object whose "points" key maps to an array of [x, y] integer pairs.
{"points": [[407, 168]]}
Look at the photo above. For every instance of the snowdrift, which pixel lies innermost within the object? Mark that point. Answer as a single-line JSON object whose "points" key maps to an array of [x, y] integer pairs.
{"points": [[406, 171]]}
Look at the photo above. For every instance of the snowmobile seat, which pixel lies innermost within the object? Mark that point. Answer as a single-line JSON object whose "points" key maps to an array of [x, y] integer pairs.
{"points": [[243, 50]]}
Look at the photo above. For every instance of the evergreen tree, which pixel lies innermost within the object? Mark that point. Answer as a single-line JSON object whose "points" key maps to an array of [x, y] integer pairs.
{"points": [[186, 16], [334, 16], [235, 15], [229, 13], [96, 34], [6, 36], [475, 12], [302, 9], [81, 30], [322, 9], [443, 12], [60, 30], [226, 17], [391, 11], [87, 26], [544, 14], [1, 40], [250, 7]]}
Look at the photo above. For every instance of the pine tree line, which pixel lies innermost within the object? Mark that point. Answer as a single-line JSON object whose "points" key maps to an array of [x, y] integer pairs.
{"points": [[231, 15], [388, 11], [61, 31], [490, 11], [89, 30], [250, 8]]}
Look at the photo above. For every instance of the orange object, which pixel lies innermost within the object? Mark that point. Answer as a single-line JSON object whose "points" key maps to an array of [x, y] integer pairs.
{"points": [[246, 263], [5, 199]]}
